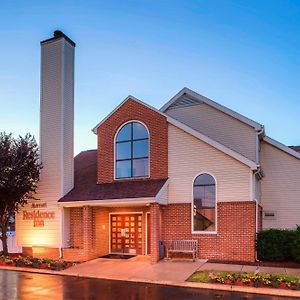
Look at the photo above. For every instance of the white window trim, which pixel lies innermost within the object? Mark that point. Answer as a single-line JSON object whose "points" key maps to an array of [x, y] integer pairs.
{"points": [[115, 152], [216, 207]]}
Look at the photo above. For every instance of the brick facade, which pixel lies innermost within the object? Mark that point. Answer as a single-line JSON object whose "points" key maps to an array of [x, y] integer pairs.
{"points": [[234, 241], [156, 231], [157, 126], [235, 238]]}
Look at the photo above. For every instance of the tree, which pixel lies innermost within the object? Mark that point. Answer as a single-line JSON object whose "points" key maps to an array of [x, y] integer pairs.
{"points": [[19, 175]]}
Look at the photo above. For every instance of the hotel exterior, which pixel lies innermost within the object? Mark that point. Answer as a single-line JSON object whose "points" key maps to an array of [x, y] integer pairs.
{"points": [[193, 169]]}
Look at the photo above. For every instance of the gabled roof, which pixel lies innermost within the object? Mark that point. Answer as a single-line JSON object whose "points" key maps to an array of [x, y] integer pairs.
{"points": [[125, 100], [86, 187], [189, 130], [282, 147], [188, 97]]}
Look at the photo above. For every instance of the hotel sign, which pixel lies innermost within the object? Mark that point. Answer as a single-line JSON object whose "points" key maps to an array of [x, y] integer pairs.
{"points": [[38, 216]]}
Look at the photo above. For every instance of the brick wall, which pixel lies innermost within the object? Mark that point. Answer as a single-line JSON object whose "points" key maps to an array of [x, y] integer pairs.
{"points": [[157, 125], [156, 231], [235, 240], [76, 236]]}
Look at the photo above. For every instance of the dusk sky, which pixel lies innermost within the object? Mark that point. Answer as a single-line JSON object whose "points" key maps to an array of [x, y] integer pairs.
{"points": [[243, 54]]}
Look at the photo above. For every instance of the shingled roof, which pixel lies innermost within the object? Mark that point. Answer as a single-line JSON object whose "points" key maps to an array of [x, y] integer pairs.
{"points": [[86, 187]]}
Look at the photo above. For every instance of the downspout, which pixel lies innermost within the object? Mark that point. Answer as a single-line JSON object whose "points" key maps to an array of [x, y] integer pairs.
{"points": [[61, 232], [256, 228], [259, 133]]}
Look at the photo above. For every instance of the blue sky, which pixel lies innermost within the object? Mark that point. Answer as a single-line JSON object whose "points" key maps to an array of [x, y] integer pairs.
{"points": [[242, 54]]}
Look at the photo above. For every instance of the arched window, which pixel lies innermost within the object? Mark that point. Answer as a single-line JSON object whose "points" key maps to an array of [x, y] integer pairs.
{"points": [[132, 151], [204, 203]]}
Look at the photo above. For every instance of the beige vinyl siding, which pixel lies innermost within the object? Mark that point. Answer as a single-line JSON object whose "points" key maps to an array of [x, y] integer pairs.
{"points": [[219, 126], [57, 111], [49, 235], [280, 188], [56, 143], [189, 156], [164, 195]]}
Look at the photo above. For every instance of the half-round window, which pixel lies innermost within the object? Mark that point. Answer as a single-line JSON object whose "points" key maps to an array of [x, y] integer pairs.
{"points": [[204, 203], [132, 151]]}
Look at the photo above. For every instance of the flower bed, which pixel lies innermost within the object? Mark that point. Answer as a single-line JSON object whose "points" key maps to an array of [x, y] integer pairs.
{"points": [[31, 262], [248, 279]]}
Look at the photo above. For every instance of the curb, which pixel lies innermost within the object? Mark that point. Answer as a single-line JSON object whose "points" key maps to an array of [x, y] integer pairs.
{"points": [[198, 285]]}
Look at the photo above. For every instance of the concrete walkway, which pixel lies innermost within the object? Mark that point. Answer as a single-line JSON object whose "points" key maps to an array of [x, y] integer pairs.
{"points": [[137, 268]]}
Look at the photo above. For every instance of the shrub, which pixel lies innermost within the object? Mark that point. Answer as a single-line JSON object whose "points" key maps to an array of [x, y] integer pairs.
{"points": [[276, 244], [295, 250]]}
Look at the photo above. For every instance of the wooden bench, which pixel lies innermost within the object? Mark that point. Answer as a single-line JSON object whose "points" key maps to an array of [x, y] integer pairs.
{"points": [[183, 246]]}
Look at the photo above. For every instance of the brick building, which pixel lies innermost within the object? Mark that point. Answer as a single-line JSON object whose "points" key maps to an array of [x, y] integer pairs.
{"points": [[192, 170]]}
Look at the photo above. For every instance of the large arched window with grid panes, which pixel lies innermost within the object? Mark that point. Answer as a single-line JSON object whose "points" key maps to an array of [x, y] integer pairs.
{"points": [[204, 203], [132, 151]]}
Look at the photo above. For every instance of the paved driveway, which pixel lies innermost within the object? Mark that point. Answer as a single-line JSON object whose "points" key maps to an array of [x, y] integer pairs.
{"points": [[34, 286]]}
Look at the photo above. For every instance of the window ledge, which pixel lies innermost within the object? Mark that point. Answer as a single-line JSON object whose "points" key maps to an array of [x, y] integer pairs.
{"points": [[204, 232]]}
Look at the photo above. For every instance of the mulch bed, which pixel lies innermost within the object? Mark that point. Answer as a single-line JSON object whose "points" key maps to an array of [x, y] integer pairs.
{"points": [[17, 260], [278, 264]]}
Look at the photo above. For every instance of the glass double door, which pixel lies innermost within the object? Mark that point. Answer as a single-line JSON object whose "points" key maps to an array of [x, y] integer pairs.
{"points": [[126, 233]]}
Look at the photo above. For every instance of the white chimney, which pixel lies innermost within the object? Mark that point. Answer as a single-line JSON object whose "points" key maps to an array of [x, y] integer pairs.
{"points": [[57, 115]]}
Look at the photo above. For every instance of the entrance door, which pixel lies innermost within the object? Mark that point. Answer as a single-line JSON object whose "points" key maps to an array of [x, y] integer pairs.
{"points": [[126, 233]]}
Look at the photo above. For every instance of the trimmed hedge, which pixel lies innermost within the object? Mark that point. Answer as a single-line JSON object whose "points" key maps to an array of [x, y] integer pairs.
{"points": [[296, 246], [278, 245]]}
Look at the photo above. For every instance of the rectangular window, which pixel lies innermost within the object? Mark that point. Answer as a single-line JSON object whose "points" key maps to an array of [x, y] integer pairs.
{"points": [[124, 150], [140, 148], [123, 169], [140, 167]]}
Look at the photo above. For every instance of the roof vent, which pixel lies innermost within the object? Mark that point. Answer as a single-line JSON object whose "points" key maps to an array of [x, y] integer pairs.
{"points": [[185, 100]]}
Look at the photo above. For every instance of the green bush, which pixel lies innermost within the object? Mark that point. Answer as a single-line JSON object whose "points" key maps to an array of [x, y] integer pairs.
{"points": [[295, 251], [276, 244]]}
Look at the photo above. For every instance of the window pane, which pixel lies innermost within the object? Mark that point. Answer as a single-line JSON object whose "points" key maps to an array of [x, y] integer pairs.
{"points": [[204, 219], [140, 148], [123, 169], [140, 167], [139, 131], [123, 150], [204, 196], [204, 179], [125, 133]]}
